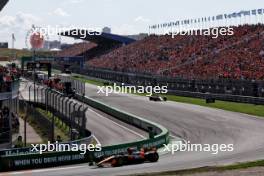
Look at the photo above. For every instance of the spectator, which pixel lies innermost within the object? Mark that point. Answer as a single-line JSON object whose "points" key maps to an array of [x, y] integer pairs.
{"points": [[7, 76], [19, 142], [239, 56]]}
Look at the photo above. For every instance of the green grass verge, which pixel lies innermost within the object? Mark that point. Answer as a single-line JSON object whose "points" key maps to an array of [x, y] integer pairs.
{"points": [[256, 110], [61, 130], [206, 169], [94, 82]]}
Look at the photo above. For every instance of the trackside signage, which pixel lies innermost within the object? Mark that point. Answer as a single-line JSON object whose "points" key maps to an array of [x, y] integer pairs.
{"points": [[16, 152], [122, 148], [30, 160], [24, 159], [31, 150], [38, 161], [47, 160]]}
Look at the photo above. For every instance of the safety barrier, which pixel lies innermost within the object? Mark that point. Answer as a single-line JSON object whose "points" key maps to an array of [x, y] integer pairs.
{"points": [[161, 133], [35, 160], [203, 94], [218, 86]]}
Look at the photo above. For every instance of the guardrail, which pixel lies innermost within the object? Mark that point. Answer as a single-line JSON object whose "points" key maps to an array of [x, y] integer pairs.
{"points": [[217, 96], [161, 133], [218, 86], [51, 159]]}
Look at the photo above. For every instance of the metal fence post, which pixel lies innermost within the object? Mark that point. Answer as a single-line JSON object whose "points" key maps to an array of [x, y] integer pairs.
{"points": [[69, 117], [74, 110], [56, 101], [59, 103], [66, 107], [53, 118], [37, 96], [29, 88], [79, 115], [84, 120], [46, 99]]}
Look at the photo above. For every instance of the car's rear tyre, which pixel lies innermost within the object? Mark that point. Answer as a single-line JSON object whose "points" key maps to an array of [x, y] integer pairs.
{"points": [[154, 157], [114, 162], [117, 162]]}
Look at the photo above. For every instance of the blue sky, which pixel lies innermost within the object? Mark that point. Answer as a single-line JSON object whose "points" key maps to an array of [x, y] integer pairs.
{"points": [[123, 16]]}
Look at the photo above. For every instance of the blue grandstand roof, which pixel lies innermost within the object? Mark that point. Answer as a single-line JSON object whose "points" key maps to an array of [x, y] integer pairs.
{"points": [[103, 38]]}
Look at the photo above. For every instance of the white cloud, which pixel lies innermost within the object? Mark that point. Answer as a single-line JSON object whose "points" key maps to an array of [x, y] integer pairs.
{"points": [[19, 24], [7, 21], [69, 2], [59, 12], [26, 19], [76, 1], [141, 19], [19, 21]]}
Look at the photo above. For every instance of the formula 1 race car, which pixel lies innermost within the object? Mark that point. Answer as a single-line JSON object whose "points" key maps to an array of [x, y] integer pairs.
{"points": [[155, 97], [131, 157], [64, 87]]}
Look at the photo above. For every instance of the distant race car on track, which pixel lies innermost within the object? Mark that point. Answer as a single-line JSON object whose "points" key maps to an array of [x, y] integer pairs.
{"points": [[155, 97], [131, 157]]}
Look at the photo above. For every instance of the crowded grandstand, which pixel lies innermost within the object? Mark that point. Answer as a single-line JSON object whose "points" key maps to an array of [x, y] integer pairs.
{"points": [[7, 76], [136, 96], [9, 123], [240, 56]]}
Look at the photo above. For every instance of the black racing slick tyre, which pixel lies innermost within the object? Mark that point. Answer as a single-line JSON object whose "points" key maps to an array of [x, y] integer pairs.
{"points": [[153, 157], [117, 162]]}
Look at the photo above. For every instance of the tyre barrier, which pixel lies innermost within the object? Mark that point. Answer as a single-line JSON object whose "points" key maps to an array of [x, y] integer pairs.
{"points": [[20, 159]]}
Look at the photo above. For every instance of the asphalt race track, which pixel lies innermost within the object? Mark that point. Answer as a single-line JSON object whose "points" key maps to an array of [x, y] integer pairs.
{"points": [[114, 132], [190, 122]]}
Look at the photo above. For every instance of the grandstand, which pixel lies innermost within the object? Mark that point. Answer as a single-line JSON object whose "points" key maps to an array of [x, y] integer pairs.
{"points": [[9, 85], [94, 46], [9, 76], [97, 37], [240, 56], [77, 49]]}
